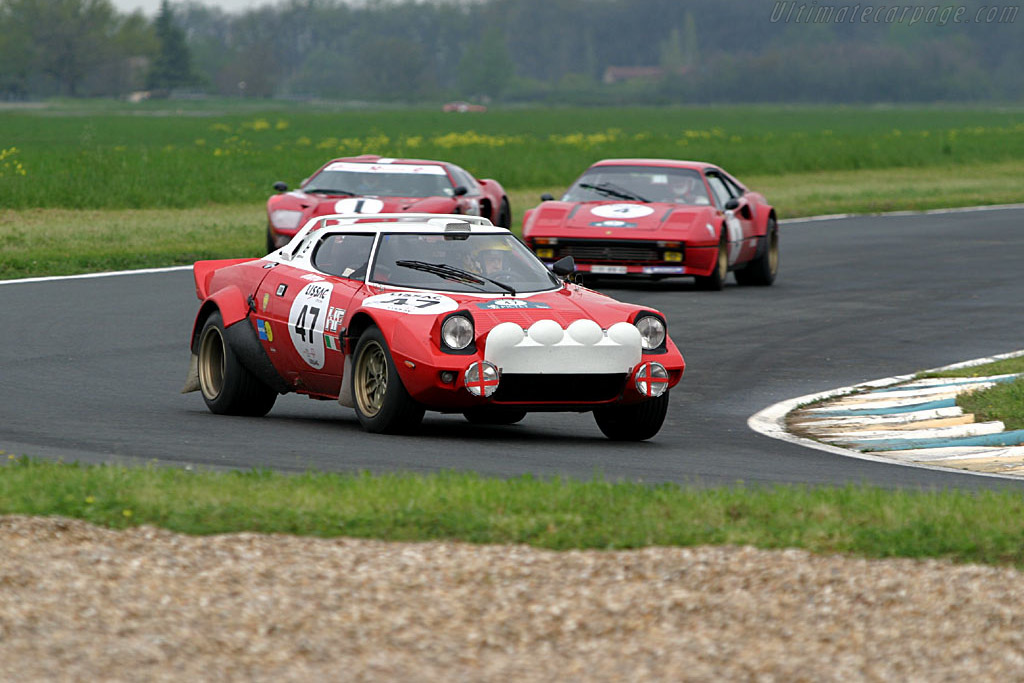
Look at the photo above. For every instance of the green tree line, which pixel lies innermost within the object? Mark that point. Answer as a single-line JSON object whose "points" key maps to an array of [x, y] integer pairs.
{"points": [[557, 51]]}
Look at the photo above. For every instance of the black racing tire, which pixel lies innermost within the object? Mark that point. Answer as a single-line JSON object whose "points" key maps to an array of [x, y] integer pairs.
{"points": [[494, 416], [382, 403], [504, 216], [762, 270], [715, 282], [227, 387], [632, 422]]}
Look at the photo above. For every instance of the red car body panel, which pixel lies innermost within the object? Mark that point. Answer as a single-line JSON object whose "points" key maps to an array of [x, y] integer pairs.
{"points": [[310, 353], [619, 236], [484, 197]]}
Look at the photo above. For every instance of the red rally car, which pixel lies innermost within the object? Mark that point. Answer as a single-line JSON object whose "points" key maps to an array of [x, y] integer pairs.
{"points": [[659, 218], [401, 313], [372, 184]]}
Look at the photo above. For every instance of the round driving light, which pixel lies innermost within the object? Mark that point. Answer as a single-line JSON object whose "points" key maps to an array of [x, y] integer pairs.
{"points": [[546, 332], [586, 332], [457, 332], [447, 376], [652, 331], [482, 378], [652, 379]]}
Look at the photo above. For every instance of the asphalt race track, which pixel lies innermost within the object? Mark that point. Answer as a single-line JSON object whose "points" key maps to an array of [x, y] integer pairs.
{"points": [[91, 368]]}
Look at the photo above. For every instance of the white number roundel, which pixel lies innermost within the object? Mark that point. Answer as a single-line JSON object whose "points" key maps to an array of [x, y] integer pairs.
{"points": [[622, 211], [306, 322], [358, 205]]}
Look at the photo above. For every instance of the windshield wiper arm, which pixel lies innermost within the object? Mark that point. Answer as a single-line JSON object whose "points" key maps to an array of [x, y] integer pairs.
{"points": [[322, 191], [613, 191], [453, 273]]}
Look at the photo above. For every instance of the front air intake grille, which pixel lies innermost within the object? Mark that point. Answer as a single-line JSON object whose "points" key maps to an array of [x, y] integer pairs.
{"points": [[610, 250], [559, 388]]}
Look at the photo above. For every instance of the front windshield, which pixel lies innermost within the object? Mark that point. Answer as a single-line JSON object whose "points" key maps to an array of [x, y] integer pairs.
{"points": [[639, 184], [381, 180], [485, 263]]}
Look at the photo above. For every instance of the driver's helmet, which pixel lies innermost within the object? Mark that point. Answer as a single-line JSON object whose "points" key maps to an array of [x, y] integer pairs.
{"points": [[685, 186], [491, 259]]}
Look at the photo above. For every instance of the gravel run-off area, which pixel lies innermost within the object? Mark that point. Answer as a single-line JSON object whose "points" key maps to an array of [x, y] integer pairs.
{"points": [[84, 603]]}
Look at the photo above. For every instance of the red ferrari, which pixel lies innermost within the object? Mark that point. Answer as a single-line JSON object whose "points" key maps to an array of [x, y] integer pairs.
{"points": [[659, 218], [372, 184], [416, 312]]}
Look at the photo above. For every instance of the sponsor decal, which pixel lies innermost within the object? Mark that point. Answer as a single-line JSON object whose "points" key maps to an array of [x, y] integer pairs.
{"points": [[613, 224], [265, 331], [312, 277], [622, 211], [663, 269], [507, 304], [334, 317], [412, 303], [281, 289], [306, 322], [266, 301], [330, 342], [383, 166]]}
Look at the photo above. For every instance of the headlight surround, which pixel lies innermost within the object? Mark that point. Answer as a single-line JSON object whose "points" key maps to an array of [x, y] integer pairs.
{"points": [[285, 219], [457, 332], [652, 332]]}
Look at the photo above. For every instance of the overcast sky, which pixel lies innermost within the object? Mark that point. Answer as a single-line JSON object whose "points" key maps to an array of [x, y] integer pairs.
{"points": [[151, 7]]}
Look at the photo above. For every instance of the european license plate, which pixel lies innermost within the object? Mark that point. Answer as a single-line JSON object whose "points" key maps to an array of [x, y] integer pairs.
{"points": [[609, 270]]}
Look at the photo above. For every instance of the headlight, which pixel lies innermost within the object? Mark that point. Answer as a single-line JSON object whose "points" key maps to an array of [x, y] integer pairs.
{"points": [[288, 220], [652, 332], [457, 332]]}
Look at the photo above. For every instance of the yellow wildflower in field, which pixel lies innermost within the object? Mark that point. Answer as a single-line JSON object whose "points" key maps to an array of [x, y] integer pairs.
{"points": [[281, 125], [126, 512], [257, 125], [303, 142], [200, 142], [471, 138], [413, 142], [221, 127], [9, 163], [329, 143]]}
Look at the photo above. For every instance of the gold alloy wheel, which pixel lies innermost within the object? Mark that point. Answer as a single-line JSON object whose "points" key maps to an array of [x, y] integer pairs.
{"points": [[371, 379], [723, 261], [211, 363], [773, 253]]}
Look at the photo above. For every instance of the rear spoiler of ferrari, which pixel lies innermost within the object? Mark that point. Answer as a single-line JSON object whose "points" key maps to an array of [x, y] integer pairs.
{"points": [[203, 272]]}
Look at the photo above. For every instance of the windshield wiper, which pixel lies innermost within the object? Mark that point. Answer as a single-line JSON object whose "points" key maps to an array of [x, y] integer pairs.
{"points": [[611, 190], [322, 191], [453, 273]]}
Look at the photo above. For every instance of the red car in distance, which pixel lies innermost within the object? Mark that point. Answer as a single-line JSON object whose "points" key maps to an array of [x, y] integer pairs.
{"points": [[659, 218], [371, 184]]}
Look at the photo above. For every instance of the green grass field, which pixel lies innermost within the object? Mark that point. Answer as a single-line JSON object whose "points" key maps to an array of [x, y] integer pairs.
{"points": [[94, 186]]}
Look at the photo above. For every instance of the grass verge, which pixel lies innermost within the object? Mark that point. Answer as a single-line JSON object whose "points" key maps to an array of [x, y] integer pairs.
{"points": [[985, 527]]}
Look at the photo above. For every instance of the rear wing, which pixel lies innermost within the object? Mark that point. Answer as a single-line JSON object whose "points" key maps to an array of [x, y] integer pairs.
{"points": [[292, 249]]}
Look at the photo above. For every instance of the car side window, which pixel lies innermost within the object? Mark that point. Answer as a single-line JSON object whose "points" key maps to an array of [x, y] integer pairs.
{"points": [[343, 255], [463, 177], [719, 189], [734, 188]]}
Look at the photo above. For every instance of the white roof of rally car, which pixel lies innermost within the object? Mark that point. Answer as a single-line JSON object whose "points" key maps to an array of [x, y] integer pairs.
{"points": [[388, 222]]}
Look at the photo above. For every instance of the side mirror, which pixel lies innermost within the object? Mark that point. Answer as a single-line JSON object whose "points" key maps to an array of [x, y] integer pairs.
{"points": [[281, 186], [564, 266], [546, 197], [460, 190], [732, 204]]}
